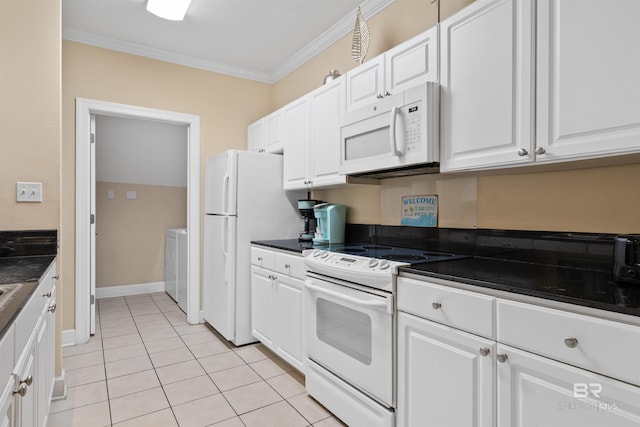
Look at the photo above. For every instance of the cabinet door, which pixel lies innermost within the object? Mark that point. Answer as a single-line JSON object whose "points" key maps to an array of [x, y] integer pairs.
{"points": [[255, 136], [26, 405], [487, 85], [273, 133], [289, 315], [412, 62], [365, 83], [327, 103], [6, 402], [262, 305], [296, 144], [535, 391], [443, 379], [588, 89]]}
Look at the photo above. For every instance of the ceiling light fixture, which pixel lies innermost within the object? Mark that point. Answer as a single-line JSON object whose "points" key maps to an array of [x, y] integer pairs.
{"points": [[173, 10]]}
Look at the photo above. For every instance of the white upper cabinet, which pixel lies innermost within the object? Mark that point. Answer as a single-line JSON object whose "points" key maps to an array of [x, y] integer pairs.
{"points": [[578, 64], [327, 104], [273, 133], [408, 64], [487, 85], [588, 78], [255, 136], [297, 135], [265, 135], [312, 138]]}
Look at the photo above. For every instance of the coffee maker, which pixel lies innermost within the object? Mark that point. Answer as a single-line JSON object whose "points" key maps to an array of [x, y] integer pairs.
{"points": [[331, 219], [305, 207]]}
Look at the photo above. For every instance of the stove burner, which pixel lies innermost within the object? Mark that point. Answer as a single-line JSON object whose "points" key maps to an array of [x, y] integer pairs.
{"points": [[402, 257], [440, 254], [374, 247], [354, 250]]}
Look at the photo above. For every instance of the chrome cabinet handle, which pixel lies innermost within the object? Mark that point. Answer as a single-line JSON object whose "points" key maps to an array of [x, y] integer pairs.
{"points": [[52, 308], [28, 380], [47, 295], [22, 390], [484, 351], [57, 276], [540, 150], [387, 93], [379, 96], [571, 342], [260, 258], [287, 266], [522, 152], [436, 305], [502, 358]]}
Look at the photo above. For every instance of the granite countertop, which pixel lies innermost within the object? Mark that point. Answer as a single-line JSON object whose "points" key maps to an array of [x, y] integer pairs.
{"points": [[24, 257], [540, 266], [581, 286]]}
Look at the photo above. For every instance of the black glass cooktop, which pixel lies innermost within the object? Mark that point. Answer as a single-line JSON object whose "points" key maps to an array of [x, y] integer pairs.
{"points": [[411, 256]]}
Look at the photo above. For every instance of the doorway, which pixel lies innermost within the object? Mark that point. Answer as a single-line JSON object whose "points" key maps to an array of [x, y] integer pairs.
{"points": [[85, 204]]}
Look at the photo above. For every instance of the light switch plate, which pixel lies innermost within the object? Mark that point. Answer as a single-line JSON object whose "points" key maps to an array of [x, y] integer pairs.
{"points": [[131, 195], [29, 192], [111, 194]]}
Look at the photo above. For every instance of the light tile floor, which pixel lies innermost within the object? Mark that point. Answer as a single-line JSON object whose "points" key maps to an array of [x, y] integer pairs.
{"points": [[145, 366]]}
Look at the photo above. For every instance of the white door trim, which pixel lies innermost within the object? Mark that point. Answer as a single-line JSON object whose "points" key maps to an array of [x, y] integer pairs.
{"points": [[84, 109]]}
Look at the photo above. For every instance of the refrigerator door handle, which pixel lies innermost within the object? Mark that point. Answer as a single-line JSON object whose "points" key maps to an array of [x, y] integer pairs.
{"points": [[224, 234], [225, 193]]}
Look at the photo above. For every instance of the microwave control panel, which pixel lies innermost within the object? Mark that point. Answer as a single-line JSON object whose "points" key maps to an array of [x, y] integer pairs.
{"points": [[413, 127]]}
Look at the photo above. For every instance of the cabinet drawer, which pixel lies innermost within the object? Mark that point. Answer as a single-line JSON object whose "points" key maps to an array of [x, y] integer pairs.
{"points": [[454, 307], [603, 346], [291, 265], [263, 258]]}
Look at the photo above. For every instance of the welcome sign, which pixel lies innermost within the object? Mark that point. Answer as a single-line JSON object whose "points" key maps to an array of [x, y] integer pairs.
{"points": [[420, 211]]}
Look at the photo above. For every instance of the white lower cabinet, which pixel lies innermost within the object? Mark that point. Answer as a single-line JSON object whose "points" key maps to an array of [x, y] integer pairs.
{"points": [[26, 396], [560, 369], [445, 376], [276, 303], [537, 391]]}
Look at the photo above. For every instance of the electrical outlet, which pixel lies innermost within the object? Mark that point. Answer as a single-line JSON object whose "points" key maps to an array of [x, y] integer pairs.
{"points": [[29, 192]]}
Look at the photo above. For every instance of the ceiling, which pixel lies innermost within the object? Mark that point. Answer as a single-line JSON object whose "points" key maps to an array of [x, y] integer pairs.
{"points": [[261, 40]]}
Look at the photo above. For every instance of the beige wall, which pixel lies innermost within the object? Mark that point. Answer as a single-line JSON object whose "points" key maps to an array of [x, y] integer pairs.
{"points": [[130, 243], [399, 22], [226, 105], [30, 76]]}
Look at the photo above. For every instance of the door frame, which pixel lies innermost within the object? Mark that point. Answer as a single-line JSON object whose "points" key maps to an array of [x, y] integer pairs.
{"points": [[84, 109]]}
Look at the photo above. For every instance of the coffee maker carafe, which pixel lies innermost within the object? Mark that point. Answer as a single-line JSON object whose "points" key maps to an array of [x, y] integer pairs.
{"points": [[305, 207], [330, 227]]}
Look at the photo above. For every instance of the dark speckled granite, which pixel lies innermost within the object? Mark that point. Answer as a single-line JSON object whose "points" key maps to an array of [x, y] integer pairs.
{"points": [[24, 258], [575, 268]]}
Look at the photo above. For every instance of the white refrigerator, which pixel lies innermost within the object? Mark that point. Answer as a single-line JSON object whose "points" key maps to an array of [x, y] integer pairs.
{"points": [[244, 201]]}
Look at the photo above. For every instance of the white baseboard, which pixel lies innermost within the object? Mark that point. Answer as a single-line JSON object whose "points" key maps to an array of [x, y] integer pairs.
{"points": [[68, 337], [126, 290], [59, 387]]}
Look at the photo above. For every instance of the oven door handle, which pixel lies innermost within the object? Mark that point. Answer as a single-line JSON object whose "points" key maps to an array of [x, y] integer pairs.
{"points": [[385, 304]]}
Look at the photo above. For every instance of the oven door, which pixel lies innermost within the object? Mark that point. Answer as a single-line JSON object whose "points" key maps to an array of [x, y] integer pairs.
{"points": [[350, 333]]}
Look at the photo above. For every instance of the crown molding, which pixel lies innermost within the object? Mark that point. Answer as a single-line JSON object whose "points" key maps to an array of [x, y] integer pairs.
{"points": [[340, 29]]}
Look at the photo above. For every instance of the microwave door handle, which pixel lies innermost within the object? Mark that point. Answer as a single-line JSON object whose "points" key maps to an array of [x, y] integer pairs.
{"points": [[392, 131], [384, 304]]}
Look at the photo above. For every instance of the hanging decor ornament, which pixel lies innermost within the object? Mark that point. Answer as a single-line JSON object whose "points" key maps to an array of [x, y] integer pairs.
{"points": [[360, 43]]}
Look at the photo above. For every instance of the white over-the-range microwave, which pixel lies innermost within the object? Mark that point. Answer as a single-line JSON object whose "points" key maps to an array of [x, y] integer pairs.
{"points": [[397, 135]]}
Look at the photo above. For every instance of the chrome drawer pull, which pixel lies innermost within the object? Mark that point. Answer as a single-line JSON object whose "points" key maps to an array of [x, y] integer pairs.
{"points": [[52, 308], [571, 342], [28, 380], [56, 277], [47, 295], [502, 358], [436, 305], [484, 351]]}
